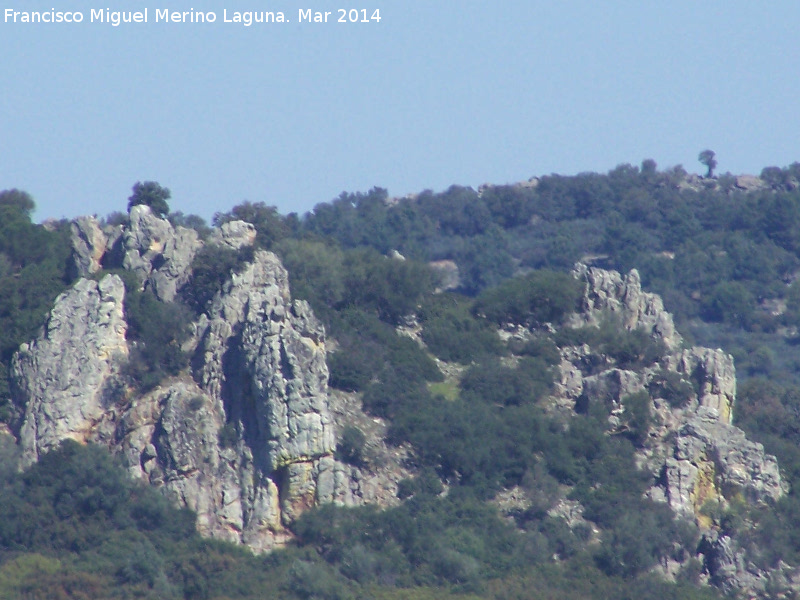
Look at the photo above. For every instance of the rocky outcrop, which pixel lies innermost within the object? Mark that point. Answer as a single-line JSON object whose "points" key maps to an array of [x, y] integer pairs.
{"points": [[713, 461], [63, 377], [233, 235], [714, 374], [700, 460], [89, 245], [261, 361], [278, 363], [158, 253], [611, 386], [608, 294], [246, 440]]}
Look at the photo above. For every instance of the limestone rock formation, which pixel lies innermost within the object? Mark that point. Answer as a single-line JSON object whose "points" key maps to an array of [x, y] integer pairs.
{"points": [[261, 360], [160, 254], [234, 235], [247, 439], [89, 244], [715, 374], [712, 461], [609, 294], [698, 457], [62, 377]]}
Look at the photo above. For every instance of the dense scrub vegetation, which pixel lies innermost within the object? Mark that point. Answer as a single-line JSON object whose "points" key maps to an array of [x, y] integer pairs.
{"points": [[74, 526], [725, 262], [34, 269]]}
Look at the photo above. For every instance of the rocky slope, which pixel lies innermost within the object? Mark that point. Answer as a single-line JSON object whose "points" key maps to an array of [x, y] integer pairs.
{"points": [[701, 462], [247, 438]]}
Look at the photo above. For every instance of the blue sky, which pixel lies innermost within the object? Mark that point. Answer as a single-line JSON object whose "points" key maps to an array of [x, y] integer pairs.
{"points": [[437, 93]]}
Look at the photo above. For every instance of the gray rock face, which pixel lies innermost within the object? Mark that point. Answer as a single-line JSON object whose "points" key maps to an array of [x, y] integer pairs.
{"points": [[279, 363], [712, 461], [609, 387], [607, 293], [730, 570], [176, 438], [247, 444], [715, 374], [234, 235], [89, 244], [750, 183], [160, 255], [261, 361], [61, 378], [695, 453]]}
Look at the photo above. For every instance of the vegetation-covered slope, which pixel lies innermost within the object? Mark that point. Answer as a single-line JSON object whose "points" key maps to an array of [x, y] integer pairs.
{"points": [[478, 423]]}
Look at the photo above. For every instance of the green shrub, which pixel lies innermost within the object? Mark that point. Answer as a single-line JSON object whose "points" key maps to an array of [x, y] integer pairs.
{"points": [[211, 268], [673, 388], [350, 448], [630, 349], [157, 330], [495, 383], [452, 333], [539, 297], [370, 350], [637, 416]]}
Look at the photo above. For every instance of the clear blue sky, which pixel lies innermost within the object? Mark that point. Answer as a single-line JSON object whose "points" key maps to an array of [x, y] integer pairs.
{"points": [[438, 92]]}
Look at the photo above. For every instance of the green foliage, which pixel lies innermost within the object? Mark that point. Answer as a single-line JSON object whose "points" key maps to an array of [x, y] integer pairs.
{"points": [[157, 329], [729, 301], [34, 269], [270, 227], [540, 347], [389, 287], [76, 526], [333, 280], [670, 386], [211, 268], [370, 350], [706, 157], [493, 382], [539, 297], [316, 273], [452, 333], [350, 448], [151, 194], [637, 416], [629, 349], [190, 221], [81, 496]]}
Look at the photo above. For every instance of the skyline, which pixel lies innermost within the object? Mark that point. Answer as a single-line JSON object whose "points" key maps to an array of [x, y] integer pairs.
{"points": [[292, 114]]}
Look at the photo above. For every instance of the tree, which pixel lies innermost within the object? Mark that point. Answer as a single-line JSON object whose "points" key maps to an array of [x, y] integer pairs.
{"points": [[18, 201], [706, 157], [151, 194]]}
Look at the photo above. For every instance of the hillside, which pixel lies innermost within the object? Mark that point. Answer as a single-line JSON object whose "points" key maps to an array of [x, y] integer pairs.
{"points": [[465, 393]]}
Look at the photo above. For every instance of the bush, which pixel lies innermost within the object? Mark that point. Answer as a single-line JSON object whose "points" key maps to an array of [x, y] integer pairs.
{"points": [[540, 297], [350, 448], [637, 416], [150, 194], [630, 349], [452, 333], [211, 268], [157, 329], [673, 388], [370, 350], [494, 383]]}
